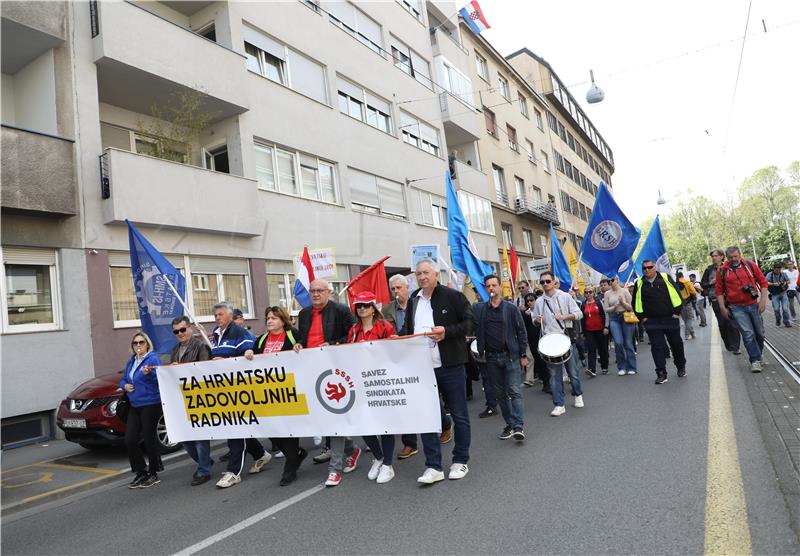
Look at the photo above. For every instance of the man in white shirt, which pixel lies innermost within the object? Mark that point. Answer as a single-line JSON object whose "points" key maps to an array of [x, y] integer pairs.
{"points": [[792, 291], [557, 312]]}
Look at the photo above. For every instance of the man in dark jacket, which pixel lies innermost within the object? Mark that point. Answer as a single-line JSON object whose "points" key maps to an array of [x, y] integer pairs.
{"points": [[445, 315], [502, 338], [727, 327], [189, 349], [658, 305]]}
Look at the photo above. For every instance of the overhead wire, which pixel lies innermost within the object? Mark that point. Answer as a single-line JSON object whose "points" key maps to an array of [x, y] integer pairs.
{"points": [[736, 82]]}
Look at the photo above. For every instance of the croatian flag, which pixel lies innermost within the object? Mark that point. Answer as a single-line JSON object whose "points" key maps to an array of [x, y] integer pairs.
{"points": [[305, 275], [474, 17]]}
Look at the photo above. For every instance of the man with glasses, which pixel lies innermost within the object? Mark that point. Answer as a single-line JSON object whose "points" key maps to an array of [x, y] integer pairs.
{"points": [[326, 323], [727, 327], [556, 312], [524, 288], [658, 305], [188, 350]]}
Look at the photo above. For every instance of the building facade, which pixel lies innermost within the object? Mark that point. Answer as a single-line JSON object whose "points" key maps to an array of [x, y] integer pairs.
{"points": [[232, 134]]}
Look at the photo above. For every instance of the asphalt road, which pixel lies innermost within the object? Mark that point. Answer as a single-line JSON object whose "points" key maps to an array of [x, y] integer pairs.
{"points": [[626, 474]]}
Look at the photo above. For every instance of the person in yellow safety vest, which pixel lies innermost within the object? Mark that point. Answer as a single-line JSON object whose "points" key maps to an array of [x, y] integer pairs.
{"points": [[658, 305], [687, 291]]}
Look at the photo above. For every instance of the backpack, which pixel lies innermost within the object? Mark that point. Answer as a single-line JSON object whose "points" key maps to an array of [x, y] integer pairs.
{"points": [[724, 271]]}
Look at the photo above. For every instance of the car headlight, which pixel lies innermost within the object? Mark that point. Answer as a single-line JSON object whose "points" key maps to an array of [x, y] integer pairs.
{"points": [[112, 407]]}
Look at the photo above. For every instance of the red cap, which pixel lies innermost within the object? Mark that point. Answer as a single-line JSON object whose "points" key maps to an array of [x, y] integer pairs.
{"points": [[365, 297]]}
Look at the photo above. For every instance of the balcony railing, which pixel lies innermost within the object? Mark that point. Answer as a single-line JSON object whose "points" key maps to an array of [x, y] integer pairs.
{"points": [[545, 211]]}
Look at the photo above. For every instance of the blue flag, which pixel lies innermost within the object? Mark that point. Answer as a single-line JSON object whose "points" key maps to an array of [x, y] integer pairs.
{"points": [[655, 249], [157, 301], [610, 238], [463, 252], [558, 262]]}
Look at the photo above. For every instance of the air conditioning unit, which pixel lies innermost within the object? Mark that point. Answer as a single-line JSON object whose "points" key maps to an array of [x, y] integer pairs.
{"points": [[519, 203]]}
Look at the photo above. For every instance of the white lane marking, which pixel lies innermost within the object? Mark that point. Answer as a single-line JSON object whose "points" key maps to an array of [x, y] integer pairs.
{"points": [[250, 521]]}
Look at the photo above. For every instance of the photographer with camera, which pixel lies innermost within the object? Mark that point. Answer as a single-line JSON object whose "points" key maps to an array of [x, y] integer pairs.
{"points": [[742, 294], [778, 286]]}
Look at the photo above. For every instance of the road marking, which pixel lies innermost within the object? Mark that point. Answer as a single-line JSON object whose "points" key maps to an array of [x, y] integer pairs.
{"points": [[727, 530], [41, 477], [66, 488], [81, 468], [252, 520]]}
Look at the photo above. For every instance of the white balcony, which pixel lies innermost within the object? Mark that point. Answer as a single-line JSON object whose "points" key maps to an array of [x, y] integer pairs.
{"points": [[144, 59], [544, 211], [469, 179], [167, 194]]}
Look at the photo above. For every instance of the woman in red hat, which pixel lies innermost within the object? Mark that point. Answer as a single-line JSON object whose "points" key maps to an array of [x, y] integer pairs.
{"points": [[372, 326]]}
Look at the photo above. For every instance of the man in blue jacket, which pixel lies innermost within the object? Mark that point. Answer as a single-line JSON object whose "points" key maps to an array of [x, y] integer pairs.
{"points": [[503, 339], [231, 340]]}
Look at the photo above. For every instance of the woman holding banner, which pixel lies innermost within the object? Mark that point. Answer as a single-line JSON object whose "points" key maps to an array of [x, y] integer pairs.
{"points": [[617, 302], [372, 326], [141, 387], [280, 336]]}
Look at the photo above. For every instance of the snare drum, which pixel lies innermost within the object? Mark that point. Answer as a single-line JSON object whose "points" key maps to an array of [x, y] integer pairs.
{"points": [[555, 348]]}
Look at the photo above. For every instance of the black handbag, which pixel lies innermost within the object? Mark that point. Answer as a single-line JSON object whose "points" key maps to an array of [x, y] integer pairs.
{"points": [[123, 408]]}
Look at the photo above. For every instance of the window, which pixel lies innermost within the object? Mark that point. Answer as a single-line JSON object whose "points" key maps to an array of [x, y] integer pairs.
{"points": [[559, 161], [552, 122], [364, 106], [505, 90], [545, 161], [588, 214], [530, 150], [357, 24], [375, 194], [160, 147], [523, 105], [512, 138], [543, 243], [477, 212], [575, 210], [562, 132], [317, 176], [30, 290], [419, 134], [499, 185], [491, 122], [565, 202], [124, 306], [217, 279], [537, 194], [567, 168], [570, 141], [482, 66], [209, 32], [410, 62], [454, 81], [582, 210], [432, 209], [539, 122], [506, 231], [217, 159], [413, 7], [307, 77], [519, 186], [527, 239]]}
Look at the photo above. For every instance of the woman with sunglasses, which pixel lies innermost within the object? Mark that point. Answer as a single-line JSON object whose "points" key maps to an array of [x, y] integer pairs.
{"points": [[617, 301], [595, 329], [280, 336], [141, 386], [372, 326]]}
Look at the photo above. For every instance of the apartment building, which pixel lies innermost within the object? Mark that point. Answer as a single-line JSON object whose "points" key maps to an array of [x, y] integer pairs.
{"points": [[515, 152], [581, 158], [324, 124]]}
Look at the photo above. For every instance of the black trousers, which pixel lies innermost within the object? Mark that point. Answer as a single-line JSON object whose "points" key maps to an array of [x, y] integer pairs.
{"points": [[597, 345], [731, 337], [662, 332], [142, 424], [237, 448], [291, 450], [540, 369]]}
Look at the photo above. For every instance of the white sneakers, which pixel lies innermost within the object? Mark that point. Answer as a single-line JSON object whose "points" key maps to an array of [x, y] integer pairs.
{"points": [[578, 401], [228, 480], [431, 476], [631, 372], [259, 464], [386, 474], [558, 410], [458, 471], [622, 372], [375, 469]]}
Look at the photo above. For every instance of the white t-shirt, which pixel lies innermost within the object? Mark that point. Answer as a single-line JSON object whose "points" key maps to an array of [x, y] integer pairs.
{"points": [[792, 278], [423, 322]]}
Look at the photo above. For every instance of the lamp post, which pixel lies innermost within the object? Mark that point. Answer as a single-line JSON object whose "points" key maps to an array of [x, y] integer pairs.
{"points": [[753, 244], [776, 218]]}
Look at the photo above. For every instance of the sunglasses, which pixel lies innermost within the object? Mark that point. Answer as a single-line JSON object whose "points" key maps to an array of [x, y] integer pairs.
{"points": [[650, 267], [543, 282], [363, 305], [138, 343], [177, 331]]}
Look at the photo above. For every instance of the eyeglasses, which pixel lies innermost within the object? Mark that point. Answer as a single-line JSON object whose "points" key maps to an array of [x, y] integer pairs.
{"points": [[316, 292], [177, 331], [138, 343], [543, 282], [649, 267], [362, 305]]}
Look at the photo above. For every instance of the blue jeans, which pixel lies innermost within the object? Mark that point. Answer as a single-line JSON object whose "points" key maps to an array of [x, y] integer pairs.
{"points": [[751, 326], [382, 447], [200, 452], [622, 332], [453, 388], [488, 386], [557, 380], [506, 375], [780, 304]]}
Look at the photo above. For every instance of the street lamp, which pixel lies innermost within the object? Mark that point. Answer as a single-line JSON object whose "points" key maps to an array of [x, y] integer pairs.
{"points": [[595, 94], [661, 200], [776, 218], [753, 243]]}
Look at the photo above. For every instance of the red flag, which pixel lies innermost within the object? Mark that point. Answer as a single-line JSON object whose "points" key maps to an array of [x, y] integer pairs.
{"points": [[372, 280], [514, 265]]}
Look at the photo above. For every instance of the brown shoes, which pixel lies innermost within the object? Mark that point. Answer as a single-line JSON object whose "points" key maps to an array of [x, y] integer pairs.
{"points": [[446, 436], [407, 452]]}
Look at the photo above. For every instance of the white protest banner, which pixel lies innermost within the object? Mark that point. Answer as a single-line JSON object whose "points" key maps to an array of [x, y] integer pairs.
{"points": [[421, 252], [382, 387], [323, 261], [536, 267]]}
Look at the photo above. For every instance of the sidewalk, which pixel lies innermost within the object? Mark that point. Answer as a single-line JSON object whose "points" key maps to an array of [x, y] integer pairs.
{"points": [[785, 340]]}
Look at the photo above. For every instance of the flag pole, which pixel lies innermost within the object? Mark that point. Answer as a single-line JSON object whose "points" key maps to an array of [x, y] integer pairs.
{"points": [[188, 312]]}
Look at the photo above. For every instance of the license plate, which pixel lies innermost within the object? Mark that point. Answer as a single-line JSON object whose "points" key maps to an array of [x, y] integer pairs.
{"points": [[74, 423]]}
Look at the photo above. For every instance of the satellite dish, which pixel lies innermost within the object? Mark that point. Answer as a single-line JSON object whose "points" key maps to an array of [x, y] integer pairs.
{"points": [[595, 93]]}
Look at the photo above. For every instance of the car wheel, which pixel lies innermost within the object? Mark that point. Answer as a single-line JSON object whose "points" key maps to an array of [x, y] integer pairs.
{"points": [[164, 443]]}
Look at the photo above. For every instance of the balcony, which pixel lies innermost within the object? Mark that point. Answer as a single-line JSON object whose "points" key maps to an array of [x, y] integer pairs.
{"points": [[468, 178], [29, 29], [448, 46], [460, 121], [157, 192], [544, 211], [143, 59], [38, 173]]}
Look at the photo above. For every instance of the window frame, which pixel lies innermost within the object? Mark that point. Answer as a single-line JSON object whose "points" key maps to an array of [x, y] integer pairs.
{"points": [[511, 133], [489, 115], [482, 64], [523, 105], [505, 87], [297, 165], [527, 240], [364, 106], [55, 296], [477, 209], [539, 122]]}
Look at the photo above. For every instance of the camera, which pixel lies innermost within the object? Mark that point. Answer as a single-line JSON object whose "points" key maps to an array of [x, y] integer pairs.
{"points": [[750, 290]]}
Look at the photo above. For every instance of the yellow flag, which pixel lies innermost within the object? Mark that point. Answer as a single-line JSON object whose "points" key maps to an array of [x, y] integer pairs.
{"points": [[505, 275], [571, 254]]}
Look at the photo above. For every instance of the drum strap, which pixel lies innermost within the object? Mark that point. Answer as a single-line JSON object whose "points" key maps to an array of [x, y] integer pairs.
{"points": [[568, 331]]}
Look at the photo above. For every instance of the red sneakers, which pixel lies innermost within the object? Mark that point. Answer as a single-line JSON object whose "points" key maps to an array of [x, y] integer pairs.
{"points": [[351, 463]]}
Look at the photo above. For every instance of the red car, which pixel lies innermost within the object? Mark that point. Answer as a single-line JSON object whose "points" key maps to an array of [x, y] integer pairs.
{"points": [[89, 415]]}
